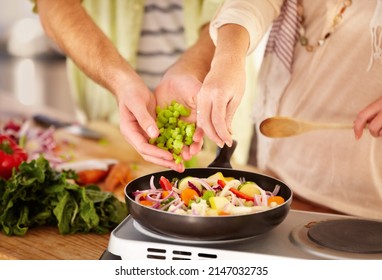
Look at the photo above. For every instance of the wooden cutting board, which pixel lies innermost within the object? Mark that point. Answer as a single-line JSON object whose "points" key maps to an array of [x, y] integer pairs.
{"points": [[45, 243]]}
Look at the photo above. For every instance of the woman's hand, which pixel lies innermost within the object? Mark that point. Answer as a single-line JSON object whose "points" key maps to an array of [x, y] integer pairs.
{"points": [[224, 85], [219, 98], [370, 117]]}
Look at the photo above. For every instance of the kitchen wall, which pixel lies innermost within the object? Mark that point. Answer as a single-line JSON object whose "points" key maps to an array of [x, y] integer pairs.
{"points": [[32, 69]]}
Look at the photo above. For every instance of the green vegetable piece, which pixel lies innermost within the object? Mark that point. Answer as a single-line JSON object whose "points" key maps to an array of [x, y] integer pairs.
{"points": [[162, 118], [174, 132], [190, 129], [207, 195], [169, 143]]}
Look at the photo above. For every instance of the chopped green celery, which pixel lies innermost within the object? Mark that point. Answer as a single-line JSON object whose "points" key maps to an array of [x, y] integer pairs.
{"points": [[190, 129], [169, 143], [162, 118], [188, 141], [167, 113], [174, 133], [206, 196]]}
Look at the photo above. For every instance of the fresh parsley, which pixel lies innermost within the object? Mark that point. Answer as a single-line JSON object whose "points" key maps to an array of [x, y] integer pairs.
{"points": [[39, 195]]}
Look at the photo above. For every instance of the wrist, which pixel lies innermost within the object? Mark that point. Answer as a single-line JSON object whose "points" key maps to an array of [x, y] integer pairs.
{"points": [[118, 75]]}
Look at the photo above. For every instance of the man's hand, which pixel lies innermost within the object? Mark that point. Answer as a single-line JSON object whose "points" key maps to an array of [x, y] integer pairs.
{"points": [[136, 105]]}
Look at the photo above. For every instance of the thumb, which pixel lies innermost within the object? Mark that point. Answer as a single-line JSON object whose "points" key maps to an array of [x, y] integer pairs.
{"points": [[146, 121]]}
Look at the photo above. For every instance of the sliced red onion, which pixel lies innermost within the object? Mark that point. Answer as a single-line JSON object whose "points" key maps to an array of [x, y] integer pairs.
{"points": [[169, 204], [217, 188], [276, 190], [192, 186], [177, 206], [204, 184], [138, 196], [230, 184], [257, 200], [152, 186]]}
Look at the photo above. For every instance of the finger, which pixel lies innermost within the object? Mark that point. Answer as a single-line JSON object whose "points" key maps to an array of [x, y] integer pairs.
{"points": [[133, 134], [218, 117], [375, 126], [145, 120], [231, 110], [198, 135], [145, 149], [204, 121], [165, 163], [193, 149], [365, 116], [360, 123]]}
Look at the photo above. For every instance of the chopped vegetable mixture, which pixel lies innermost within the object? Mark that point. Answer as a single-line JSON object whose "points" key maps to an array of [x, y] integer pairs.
{"points": [[213, 196]]}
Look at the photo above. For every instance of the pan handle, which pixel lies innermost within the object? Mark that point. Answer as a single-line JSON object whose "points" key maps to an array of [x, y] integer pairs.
{"points": [[223, 156]]}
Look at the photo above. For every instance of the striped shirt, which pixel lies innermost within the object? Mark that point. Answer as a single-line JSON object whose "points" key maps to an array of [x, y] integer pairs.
{"points": [[162, 39]]}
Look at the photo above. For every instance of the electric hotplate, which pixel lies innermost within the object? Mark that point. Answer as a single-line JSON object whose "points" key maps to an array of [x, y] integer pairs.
{"points": [[302, 235]]}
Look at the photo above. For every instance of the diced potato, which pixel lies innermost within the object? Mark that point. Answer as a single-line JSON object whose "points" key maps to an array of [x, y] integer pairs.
{"points": [[249, 188], [220, 203], [213, 179]]}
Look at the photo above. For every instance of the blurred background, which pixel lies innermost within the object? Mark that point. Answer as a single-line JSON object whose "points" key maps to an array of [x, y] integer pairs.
{"points": [[32, 68]]}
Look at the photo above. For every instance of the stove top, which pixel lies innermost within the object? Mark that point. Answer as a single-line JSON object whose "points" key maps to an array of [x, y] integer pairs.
{"points": [[302, 235]]}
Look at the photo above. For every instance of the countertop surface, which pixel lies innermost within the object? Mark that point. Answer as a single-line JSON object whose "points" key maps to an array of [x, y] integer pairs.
{"points": [[45, 242]]}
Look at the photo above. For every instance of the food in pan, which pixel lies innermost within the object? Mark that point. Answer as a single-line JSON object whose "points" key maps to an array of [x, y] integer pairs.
{"points": [[213, 196]]}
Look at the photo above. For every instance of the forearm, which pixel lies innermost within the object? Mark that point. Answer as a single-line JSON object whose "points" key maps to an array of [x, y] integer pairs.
{"points": [[197, 59], [71, 28], [232, 46]]}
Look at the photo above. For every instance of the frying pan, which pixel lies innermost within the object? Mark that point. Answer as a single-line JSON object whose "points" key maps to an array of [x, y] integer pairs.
{"points": [[204, 228]]}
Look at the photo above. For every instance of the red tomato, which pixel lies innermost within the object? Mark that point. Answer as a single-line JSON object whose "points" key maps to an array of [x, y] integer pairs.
{"points": [[165, 183], [11, 156]]}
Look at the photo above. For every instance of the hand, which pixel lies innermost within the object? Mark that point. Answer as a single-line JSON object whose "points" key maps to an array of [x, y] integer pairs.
{"points": [[371, 116], [218, 99], [223, 86], [183, 89], [136, 104]]}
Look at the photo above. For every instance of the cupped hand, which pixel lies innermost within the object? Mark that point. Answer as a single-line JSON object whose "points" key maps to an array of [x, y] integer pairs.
{"points": [[183, 89], [370, 117], [136, 105], [218, 100]]}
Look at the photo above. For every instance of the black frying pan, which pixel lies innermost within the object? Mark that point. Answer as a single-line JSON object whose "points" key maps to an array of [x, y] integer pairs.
{"points": [[209, 227]]}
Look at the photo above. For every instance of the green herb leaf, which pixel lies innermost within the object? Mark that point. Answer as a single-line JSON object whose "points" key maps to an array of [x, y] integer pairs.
{"points": [[39, 195]]}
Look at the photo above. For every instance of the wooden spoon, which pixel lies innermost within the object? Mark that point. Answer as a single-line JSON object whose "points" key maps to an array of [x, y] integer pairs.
{"points": [[278, 127]]}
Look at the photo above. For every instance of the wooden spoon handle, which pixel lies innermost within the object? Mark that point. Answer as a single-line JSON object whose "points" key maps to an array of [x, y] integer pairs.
{"points": [[331, 125]]}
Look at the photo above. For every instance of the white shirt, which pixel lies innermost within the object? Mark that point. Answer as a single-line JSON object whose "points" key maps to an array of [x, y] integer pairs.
{"points": [[331, 84]]}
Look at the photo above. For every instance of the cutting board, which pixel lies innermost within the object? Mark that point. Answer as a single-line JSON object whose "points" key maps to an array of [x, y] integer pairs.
{"points": [[45, 243]]}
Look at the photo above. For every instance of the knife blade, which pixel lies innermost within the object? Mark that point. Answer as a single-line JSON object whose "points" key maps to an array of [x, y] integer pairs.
{"points": [[72, 128]]}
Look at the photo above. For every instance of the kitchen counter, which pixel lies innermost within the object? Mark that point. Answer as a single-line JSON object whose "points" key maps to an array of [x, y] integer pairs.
{"points": [[45, 242]]}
